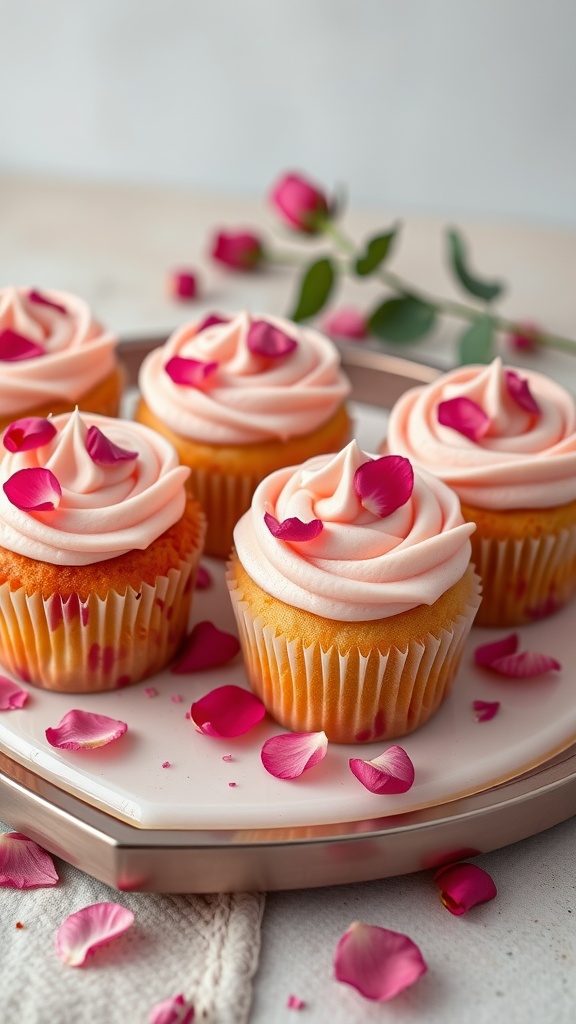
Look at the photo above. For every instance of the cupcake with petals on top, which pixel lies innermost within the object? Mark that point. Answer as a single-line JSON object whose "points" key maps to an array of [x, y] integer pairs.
{"points": [[505, 441], [99, 547], [239, 398], [54, 356], [353, 592]]}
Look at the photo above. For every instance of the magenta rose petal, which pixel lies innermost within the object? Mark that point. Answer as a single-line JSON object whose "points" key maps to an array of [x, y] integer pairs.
{"points": [[384, 485], [33, 490], [347, 322], [28, 433], [103, 451], [465, 416], [390, 772], [485, 654], [206, 647], [35, 296], [293, 529], [190, 373], [525, 665], [379, 963], [463, 886], [203, 578], [295, 1003], [485, 710], [182, 285], [24, 864], [14, 347], [175, 1010], [84, 730], [239, 250], [212, 320], [227, 711], [82, 933], [12, 696], [266, 340], [519, 390], [290, 754]]}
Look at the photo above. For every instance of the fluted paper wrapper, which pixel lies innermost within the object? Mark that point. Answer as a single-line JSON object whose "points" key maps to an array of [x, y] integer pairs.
{"points": [[224, 498], [351, 697]]}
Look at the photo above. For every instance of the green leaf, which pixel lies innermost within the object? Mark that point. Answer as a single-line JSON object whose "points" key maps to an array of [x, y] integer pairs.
{"points": [[315, 287], [377, 250], [404, 319], [457, 254], [477, 343]]}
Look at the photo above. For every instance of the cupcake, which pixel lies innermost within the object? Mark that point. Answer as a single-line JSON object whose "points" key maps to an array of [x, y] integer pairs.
{"points": [[505, 441], [99, 546], [54, 356], [239, 398], [353, 592]]}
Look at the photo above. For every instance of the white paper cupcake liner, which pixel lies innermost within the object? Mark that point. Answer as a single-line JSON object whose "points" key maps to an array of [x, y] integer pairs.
{"points": [[224, 498]]}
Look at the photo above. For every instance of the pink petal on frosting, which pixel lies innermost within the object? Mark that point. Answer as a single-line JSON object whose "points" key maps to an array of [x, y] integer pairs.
{"points": [[203, 578], [463, 886], [12, 696], [266, 340], [384, 485], [82, 933], [14, 347], [33, 490], [24, 864], [190, 373], [293, 529], [210, 321], [172, 1011], [35, 296], [288, 755], [390, 772], [379, 963], [206, 647], [227, 711], [485, 654], [465, 416], [485, 710], [525, 665], [103, 451], [26, 434], [519, 390], [84, 730]]}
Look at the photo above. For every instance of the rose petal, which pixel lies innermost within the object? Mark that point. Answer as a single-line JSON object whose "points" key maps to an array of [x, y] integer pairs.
{"points": [[484, 710], [26, 434], [82, 933], [390, 772], [84, 730], [190, 373], [346, 323], [172, 1011], [525, 665], [33, 490], [14, 347], [12, 696], [519, 390], [485, 654], [203, 578], [239, 250], [384, 485], [295, 1003], [35, 296], [526, 337], [103, 451], [266, 340], [227, 711], [288, 755], [24, 864], [211, 321], [463, 886], [379, 963], [182, 284], [293, 529], [206, 647], [465, 416]]}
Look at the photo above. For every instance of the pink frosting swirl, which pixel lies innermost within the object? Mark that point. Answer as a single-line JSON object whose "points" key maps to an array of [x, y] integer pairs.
{"points": [[360, 567], [104, 511], [249, 398], [524, 461], [78, 353]]}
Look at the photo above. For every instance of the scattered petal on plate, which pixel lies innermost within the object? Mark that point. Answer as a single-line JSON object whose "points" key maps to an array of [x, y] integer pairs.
{"points": [[227, 757], [12, 696], [227, 711], [35, 296], [379, 963], [15, 347], [293, 529], [525, 665], [485, 654], [465, 416], [289, 754], [266, 340], [28, 433], [484, 710], [83, 932], [176, 698], [232, 785], [166, 764], [463, 886], [206, 647], [24, 864], [182, 284], [84, 730], [390, 772], [384, 485], [33, 490], [103, 451], [191, 373], [150, 691], [203, 578], [172, 1011], [519, 390], [295, 1003]]}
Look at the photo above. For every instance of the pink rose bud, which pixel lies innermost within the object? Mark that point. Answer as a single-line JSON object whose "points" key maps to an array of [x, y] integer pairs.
{"points": [[346, 322], [299, 203], [525, 337], [240, 250], [182, 285]]}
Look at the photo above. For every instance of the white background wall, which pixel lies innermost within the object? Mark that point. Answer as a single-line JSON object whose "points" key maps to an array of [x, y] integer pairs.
{"points": [[465, 107]]}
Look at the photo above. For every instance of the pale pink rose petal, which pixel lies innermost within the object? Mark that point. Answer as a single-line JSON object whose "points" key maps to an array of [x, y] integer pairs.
{"points": [[24, 864], [103, 451], [465, 416], [80, 935], [295, 1003], [390, 772], [525, 665], [172, 1011], [227, 757], [12, 696], [15, 347], [35, 296], [519, 390], [293, 529], [266, 340], [211, 321], [379, 963], [191, 373], [485, 654], [206, 646], [84, 730], [384, 485], [463, 886], [33, 490], [346, 322], [485, 710], [289, 754], [28, 433], [227, 711], [203, 578]]}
